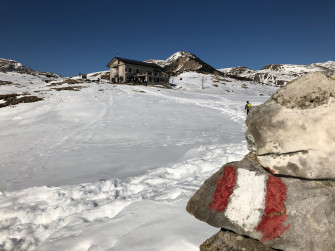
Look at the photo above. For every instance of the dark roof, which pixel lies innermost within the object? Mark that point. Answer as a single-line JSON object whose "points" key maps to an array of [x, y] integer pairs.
{"points": [[135, 62]]}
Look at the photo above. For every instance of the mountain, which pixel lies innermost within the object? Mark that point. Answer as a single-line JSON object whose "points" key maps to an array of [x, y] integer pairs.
{"points": [[8, 65], [183, 61], [278, 74]]}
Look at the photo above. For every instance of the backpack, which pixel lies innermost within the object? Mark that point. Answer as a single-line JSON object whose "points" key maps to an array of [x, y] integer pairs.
{"points": [[249, 105]]}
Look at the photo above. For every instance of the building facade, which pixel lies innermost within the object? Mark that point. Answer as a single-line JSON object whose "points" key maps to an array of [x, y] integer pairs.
{"points": [[124, 70]]}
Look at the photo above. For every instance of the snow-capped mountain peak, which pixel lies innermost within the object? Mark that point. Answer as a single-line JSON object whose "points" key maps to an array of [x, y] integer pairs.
{"points": [[179, 54], [183, 61]]}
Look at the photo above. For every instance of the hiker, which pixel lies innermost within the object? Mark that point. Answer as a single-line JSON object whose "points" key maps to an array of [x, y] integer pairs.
{"points": [[247, 107]]}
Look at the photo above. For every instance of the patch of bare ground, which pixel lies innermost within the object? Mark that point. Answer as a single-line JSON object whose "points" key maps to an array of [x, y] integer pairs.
{"points": [[67, 81], [139, 91], [9, 83], [161, 85], [6, 82], [221, 79], [69, 88], [41, 91], [12, 99]]}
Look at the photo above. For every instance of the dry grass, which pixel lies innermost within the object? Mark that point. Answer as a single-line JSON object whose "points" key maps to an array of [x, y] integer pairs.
{"points": [[69, 88], [68, 81], [11, 99], [6, 82]]}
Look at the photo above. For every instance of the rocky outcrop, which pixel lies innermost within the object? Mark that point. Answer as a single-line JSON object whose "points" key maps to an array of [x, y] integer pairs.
{"points": [[7, 65], [183, 61], [278, 74], [294, 131], [282, 194]]}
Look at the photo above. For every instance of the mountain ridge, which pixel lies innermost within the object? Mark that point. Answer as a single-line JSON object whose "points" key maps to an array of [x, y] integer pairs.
{"points": [[278, 74], [182, 61]]}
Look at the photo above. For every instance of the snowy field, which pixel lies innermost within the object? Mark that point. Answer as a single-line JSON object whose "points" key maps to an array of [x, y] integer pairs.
{"points": [[111, 167]]}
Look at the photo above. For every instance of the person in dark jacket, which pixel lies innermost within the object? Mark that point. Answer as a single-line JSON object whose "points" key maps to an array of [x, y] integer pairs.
{"points": [[247, 107]]}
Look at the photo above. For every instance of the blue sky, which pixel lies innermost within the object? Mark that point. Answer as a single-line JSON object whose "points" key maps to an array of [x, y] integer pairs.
{"points": [[68, 36]]}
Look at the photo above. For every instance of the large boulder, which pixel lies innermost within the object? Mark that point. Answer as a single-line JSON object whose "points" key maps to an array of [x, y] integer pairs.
{"points": [[283, 213], [293, 133], [227, 240]]}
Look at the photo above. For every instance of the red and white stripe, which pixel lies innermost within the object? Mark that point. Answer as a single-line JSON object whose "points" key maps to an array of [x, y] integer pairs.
{"points": [[251, 200]]}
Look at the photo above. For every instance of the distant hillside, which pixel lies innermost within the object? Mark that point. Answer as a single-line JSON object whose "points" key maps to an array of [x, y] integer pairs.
{"points": [[8, 65], [183, 61], [278, 74]]}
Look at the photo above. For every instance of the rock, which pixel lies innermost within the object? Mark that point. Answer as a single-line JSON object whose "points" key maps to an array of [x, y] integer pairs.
{"points": [[226, 240], [283, 213], [294, 131]]}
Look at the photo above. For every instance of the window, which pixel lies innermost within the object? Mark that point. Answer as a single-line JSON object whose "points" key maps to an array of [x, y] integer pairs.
{"points": [[129, 69], [137, 71]]}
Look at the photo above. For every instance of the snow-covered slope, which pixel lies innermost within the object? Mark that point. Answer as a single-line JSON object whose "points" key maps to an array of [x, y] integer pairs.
{"points": [[278, 74], [92, 165]]}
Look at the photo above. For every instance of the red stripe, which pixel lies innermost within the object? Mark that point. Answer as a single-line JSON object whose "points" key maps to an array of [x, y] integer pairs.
{"points": [[224, 188], [274, 215]]}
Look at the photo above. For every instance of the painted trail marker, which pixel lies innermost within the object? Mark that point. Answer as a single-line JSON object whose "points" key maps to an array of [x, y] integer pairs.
{"points": [[252, 201]]}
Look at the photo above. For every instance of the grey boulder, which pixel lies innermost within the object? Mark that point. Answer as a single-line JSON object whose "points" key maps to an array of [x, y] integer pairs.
{"points": [[293, 133], [283, 213]]}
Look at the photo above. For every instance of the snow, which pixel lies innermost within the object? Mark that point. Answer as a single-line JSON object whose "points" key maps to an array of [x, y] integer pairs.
{"points": [[111, 167], [328, 64]]}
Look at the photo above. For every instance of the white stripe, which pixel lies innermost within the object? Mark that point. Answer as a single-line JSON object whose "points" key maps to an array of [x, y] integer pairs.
{"points": [[246, 204]]}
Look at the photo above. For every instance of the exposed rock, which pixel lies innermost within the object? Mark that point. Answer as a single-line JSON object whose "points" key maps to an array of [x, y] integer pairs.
{"points": [[229, 241], [294, 131], [283, 213]]}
